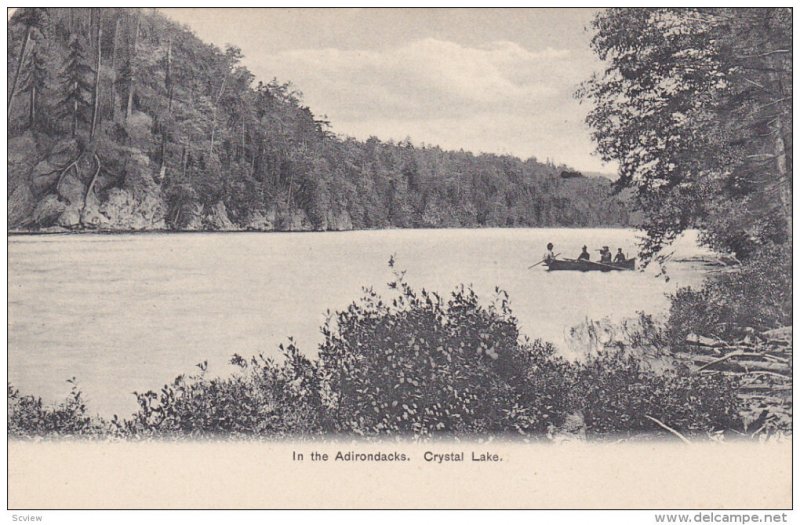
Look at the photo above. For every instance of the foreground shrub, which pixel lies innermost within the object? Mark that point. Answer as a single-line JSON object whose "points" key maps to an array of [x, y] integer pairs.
{"points": [[264, 398], [757, 295], [617, 392], [29, 417], [416, 365], [421, 365]]}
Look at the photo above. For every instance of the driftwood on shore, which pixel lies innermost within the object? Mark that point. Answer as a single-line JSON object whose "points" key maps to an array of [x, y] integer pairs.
{"points": [[762, 364]]}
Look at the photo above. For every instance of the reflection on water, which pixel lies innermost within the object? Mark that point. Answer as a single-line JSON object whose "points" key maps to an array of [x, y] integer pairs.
{"points": [[130, 312]]}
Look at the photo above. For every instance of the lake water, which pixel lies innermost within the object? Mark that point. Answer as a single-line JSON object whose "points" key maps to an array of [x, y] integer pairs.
{"points": [[130, 312]]}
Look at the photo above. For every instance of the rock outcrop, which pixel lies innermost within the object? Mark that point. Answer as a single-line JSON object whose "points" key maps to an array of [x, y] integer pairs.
{"points": [[123, 210], [21, 205], [51, 188], [217, 219], [48, 210], [340, 221], [21, 159], [260, 221]]}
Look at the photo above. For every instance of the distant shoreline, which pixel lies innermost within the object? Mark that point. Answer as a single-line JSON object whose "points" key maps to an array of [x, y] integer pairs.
{"points": [[86, 231]]}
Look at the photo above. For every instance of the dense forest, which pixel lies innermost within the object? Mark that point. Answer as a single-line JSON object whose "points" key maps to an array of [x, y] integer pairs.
{"points": [[119, 119]]}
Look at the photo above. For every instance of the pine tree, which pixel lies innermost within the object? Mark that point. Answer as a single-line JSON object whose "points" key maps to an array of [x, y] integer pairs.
{"points": [[32, 19], [77, 89], [35, 82]]}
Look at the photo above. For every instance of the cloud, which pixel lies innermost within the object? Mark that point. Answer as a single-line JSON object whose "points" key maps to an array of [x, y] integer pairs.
{"points": [[422, 76], [497, 97]]}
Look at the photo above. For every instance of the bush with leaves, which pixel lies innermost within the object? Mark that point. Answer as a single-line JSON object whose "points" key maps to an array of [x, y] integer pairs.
{"points": [[416, 365], [29, 417], [616, 391], [265, 398], [757, 295], [420, 365]]}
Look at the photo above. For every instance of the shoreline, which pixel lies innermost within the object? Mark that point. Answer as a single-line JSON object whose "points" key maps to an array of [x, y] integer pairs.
{"points": [[87, 231]]}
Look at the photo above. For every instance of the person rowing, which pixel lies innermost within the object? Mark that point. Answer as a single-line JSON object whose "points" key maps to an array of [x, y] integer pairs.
{"points": [[620, 257], [584, 256], [549, 256]]}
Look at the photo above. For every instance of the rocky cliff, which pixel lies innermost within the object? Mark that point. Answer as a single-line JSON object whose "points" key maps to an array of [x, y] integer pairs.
{"points": [[121, 120]]}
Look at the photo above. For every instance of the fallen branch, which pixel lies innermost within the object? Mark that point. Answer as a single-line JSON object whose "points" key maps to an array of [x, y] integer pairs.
{"points": [[757, 362], [759, 55], [761, 386], [699, 340], [763, 366], [783, 333], [669, 429], [720, 360], [777, 359], [769, 373], [708, 360]]}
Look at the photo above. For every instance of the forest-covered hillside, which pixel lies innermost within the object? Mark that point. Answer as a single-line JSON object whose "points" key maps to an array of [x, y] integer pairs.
{"points": [[120, 119]]}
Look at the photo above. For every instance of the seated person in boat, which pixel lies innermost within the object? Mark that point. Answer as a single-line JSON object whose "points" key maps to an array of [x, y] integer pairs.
{"points": [[620, 257], [549, 255], [584, 256], [605, 255]]}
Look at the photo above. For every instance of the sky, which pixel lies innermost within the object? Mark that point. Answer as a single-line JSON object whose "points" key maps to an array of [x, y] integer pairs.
{"points": [[482, 80]]}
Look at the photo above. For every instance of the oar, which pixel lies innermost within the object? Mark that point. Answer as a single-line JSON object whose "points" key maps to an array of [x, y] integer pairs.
{"points": [[543, 260]]}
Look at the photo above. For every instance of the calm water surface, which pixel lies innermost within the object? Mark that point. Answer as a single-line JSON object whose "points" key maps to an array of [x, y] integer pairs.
{"points": [[130, 312]]}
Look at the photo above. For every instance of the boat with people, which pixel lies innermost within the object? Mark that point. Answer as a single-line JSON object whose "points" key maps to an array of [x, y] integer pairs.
{"points": [[583, 262], [589, 266]]}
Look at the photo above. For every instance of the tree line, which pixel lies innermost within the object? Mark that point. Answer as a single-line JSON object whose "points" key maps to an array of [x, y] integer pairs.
{"points": [[141, 104]]}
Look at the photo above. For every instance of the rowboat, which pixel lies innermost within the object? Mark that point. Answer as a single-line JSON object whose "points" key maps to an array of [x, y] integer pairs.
{"points": [[589, 266]]}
